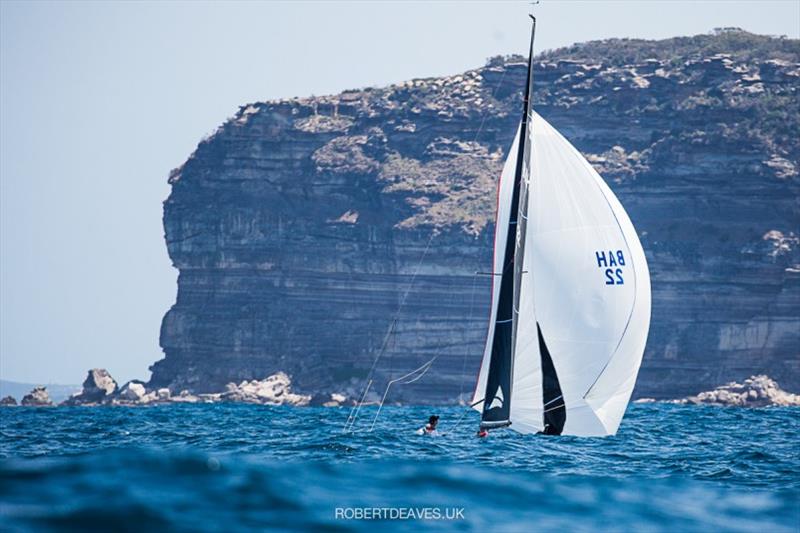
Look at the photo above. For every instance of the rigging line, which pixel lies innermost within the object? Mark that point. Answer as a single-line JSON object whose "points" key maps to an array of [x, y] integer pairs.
{"points": [[353, 294], [463, 414], [554, 399], [393, 325], [356, 408], [466, 348], [430, 239], [426, 367], [403, 301], [349, 417], [457, 424], [486, 110], [419, 376], [416, 271], [553, 408], [460, 418], [424, 254]]}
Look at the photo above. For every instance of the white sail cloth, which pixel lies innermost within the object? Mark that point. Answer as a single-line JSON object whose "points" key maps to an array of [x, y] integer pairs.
{"points": [[585, 282]]}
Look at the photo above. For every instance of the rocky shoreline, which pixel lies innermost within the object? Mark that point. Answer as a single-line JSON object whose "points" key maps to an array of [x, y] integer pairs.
{"points": [[100, 388], [755, 391]]}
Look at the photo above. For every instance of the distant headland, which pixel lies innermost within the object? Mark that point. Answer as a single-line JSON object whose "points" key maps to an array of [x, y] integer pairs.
{"points": [[300, 225]]}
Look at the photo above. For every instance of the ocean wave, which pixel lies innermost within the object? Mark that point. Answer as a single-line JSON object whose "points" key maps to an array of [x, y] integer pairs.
{"points": [[212, 467]]}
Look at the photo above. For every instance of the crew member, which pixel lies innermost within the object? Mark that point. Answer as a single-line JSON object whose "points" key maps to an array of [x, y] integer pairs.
{"points": [[430, 427]]}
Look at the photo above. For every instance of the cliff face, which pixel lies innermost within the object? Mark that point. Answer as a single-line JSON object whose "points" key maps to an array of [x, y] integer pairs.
{"points": [[301, 225]]}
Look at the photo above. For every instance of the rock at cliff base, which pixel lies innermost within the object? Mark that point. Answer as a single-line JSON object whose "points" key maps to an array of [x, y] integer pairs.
{"points": [[133, 391], [99, 382], [98, 387], [8, 401], [337, 400], [327, 400], [273, 390], [755, 391], [150, 397], [185, 397], [38, 397]]}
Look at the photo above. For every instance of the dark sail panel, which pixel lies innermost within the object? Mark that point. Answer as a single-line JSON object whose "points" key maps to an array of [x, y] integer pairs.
{"points": [[555, 412], [496, 404], [497, 400]]}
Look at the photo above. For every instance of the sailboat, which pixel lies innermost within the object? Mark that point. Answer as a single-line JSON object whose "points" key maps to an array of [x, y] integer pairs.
{"points": [[570, 305]]}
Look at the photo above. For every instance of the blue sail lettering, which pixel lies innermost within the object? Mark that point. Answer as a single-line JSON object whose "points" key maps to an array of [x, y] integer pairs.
{"points": [[615, 258]]}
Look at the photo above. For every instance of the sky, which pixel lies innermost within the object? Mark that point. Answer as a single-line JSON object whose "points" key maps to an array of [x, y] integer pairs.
{"points": [[100, 100]]}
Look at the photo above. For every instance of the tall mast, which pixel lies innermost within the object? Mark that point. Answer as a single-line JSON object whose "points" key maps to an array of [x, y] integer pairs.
{"points": [[522, 181], [497, 399], [527, 106]]}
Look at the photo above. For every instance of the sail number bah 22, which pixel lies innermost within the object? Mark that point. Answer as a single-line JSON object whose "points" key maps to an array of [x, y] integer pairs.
{"points": [[611, 262]]}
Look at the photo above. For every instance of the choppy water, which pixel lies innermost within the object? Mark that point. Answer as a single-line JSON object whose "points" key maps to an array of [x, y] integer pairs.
{"points": [[225, 467]]}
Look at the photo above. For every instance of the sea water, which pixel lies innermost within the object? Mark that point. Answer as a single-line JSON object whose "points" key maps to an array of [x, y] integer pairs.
{"points": [[230, 467]]}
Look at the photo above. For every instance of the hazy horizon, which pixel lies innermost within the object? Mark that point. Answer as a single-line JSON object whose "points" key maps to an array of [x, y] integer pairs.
{"points": [[99, 101]]}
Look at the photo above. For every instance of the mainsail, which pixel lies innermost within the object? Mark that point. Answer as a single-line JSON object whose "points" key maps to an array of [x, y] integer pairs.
{"points": [[570, 307]]}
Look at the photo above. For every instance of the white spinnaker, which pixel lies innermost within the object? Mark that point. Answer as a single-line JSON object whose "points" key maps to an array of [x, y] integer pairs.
{"points": [[595, 332], [505, 191]]}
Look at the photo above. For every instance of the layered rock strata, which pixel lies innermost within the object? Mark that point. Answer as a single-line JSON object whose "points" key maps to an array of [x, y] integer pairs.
{"points": [[313, 234]]}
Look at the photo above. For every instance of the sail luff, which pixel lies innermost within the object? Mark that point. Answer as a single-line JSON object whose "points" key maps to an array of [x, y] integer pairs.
{"points": [[497, 397], [524, 174], [505, 187]]}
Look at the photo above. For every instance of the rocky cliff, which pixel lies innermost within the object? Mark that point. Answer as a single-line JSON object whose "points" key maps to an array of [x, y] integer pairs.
{"points": [[301, 226]]}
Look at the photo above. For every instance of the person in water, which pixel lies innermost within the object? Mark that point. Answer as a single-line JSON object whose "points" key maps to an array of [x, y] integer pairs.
{"points": [[430, 427], [482, 433]]}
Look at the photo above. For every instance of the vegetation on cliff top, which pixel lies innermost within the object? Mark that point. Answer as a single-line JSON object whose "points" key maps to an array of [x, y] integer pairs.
{"points": [[729, 89], [436, 145], [740, 44]]}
